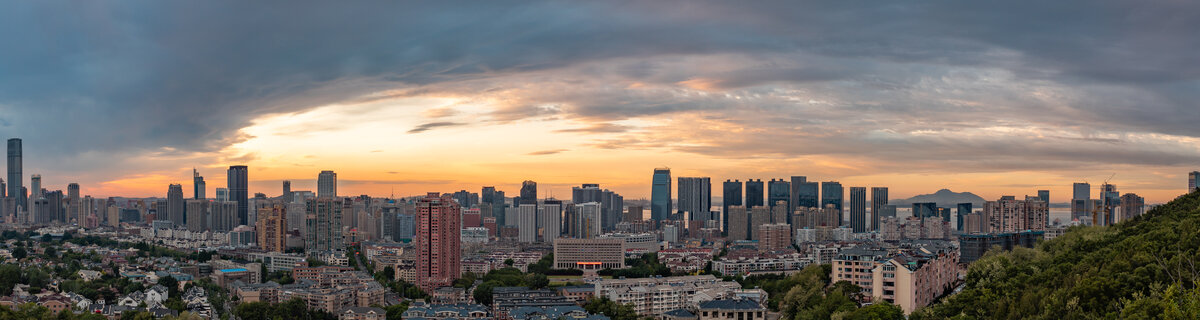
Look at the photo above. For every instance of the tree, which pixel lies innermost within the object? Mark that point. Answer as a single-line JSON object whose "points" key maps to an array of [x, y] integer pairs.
{"points": [[171, 284], [389, 272], [612, 309], [19, 253], [879, 310], [536, 281], [483, 293], [508, 262]]}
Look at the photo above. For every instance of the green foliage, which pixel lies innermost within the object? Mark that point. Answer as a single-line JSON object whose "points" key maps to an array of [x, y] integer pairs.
{"points": [[612, 309], [19, 253], [878, 311], [1091, 272], [643, 267], [809, 295], [395, 311], [34, 311], [292, 309]]}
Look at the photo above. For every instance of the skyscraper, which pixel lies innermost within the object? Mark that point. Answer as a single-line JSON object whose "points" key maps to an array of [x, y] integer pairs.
{"points": [[176, 206], [197, 212], [963, 210], [858, 209], [1044, 195], [550, 216], [287, 192], [879, 199], [732, 197], [779, 192], [437, 241], [1193, 180], [832, 194], [527, 222], [73, 212], [327, 184], [1081, 200], [924, 209], [1132, 206], [197, 185], [323, 222], [695, 197], [1111, 200], [16, 180], [238, 191], [528, 192], [804, 194], [754, 193], [660, 194], [35, 186]]}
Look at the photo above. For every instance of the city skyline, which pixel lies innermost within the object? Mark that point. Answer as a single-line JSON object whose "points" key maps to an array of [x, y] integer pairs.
{"points": [[903, 96]]}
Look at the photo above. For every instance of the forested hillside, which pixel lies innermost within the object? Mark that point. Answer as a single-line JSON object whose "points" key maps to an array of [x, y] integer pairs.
{"points": [[1145, 268]]}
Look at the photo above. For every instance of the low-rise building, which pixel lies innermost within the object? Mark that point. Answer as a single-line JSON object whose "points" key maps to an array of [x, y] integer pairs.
{"points": [[740, 309], [654, 296], [910, 277], [589, 254]]}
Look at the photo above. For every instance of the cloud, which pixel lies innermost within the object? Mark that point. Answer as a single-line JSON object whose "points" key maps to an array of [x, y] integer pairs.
{"points": [[546, 152], [433, 125]]}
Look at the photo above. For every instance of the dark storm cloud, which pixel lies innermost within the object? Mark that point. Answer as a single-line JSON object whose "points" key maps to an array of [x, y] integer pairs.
{"points": [[122, 79]]}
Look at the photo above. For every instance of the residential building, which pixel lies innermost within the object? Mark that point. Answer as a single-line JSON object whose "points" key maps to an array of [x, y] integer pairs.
{"points": [[655, 296], [722, 309], [437, 241], [973, 246], [775, 236], [1011, 215], [909, 277], [272, 228], [323, 223], [732, 191], [327, 184]]}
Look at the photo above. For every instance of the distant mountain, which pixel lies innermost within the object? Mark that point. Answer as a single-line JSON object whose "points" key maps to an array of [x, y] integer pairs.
{"points": [[943, 198]]}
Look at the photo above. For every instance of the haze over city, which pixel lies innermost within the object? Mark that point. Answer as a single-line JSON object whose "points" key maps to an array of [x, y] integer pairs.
{"points": [[403, 98]]}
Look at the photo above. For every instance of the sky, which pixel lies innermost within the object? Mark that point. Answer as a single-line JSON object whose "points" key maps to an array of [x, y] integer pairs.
{"points": [[995, 98]]}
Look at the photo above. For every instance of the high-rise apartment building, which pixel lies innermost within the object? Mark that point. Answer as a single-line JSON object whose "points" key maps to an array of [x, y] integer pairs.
{"points": [[327, 184], [527, 222], [732, 197], [272, 228], [1011, 215], [238, 184], [754, 193], [323, 222], [16, 180], [695, 197], [858, 210], [197, 212], [73, 212], [739, 223], [879, 199], [176, 206], [35, 186], [198, 185], [1132, 206], [660, 194], [1110, 200], [222, 194], [611, 203], [774, 236], [287, 192], [924, 209], [437, 241], [550, 219], [1193, 180]]}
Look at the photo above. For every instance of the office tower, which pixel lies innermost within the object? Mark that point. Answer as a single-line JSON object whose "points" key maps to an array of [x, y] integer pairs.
{"points": [[197, 185], [660, 195], [732, 197], [858, 209], [695, 197], [1081, 200], [1044, 195], [1011, 215], [73, 212], [832, 193], [779, 191], [3, 189], [526, 222], [611, 204], [175, 206], [550, 218], [754, 193], [794, 193], [587, 220], [327, 184], [1193, 180], [437, 241], [739, 223], [1111, 200], [879, 199], [197, 211], [528, 192], [238, 191], [272, 228], [287, 192], [805, 193], [35, 185], [1132, 206], [16, 180], [924, 209], [324, 224], [466, 199], [963, 210], [222, 194]]}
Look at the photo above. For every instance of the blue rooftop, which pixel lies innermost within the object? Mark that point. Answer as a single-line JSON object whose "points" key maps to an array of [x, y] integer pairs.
{"points": [[233, 270]]}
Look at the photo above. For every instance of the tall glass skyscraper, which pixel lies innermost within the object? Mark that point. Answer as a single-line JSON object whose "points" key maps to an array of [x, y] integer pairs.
{"points": [[832, 194], [754, 193], [732, 198], [963, 210], [528, 192], [858, 209], [238, 188], [327, 184], [16, 180], [695, 197], [660, 194], [879, 199], [805, 194], [779, 190]]}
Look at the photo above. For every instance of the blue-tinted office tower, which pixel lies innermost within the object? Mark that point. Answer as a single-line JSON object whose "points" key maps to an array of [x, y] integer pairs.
{"points": [[1044, 195], [963, 210], [732, 198], [754, 193], [780, 190], [660, 194], [858, 209], [924, 209], [832, 194], [238, 183], [879, 199], [805, 194], [695, 197], [16, 181]]}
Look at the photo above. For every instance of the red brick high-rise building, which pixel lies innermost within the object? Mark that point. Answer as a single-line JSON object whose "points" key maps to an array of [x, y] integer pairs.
{"points": [[437, 241]]}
